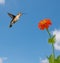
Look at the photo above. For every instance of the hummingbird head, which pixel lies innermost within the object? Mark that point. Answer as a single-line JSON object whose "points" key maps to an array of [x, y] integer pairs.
{"points": [[20, 14]]}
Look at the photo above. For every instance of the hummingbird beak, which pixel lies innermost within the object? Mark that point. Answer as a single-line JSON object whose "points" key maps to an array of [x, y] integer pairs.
{"points": [[23, 13]]}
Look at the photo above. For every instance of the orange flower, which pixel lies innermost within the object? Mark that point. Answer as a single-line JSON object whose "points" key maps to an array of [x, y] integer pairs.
{"points": [[44, 24]]}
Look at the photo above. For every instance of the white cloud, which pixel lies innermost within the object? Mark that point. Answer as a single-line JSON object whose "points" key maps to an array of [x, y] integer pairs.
{"points": [[44, 61], [5, 58], [2, 1], [57, 43], [2, 59]]}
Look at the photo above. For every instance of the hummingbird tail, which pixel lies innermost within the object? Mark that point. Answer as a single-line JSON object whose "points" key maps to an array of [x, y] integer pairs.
{"points": [[10, 25]]}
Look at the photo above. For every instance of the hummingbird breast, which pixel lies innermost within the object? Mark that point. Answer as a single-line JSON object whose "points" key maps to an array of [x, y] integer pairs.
{"points": [[16, 18]]}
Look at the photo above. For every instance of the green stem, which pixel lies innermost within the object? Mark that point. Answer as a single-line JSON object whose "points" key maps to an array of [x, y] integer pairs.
{"points": [[52, 44], [48, 33], [53, 50]]}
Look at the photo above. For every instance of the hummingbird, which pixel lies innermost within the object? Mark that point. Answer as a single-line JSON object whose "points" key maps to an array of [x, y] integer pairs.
{"points": [[14, 18]]}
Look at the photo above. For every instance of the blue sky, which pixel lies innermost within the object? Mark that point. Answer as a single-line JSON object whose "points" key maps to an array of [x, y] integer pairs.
{"points": [[24, 42]]}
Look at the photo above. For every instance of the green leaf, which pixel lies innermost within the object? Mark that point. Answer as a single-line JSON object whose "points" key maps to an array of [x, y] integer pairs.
{"points": [[51, 58], [58, 59], [55, 61], [52, 39]]}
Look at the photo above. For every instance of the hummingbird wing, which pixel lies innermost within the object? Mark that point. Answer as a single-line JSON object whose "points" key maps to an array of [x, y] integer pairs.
{"points": [[11, 23], [11, 15]]}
